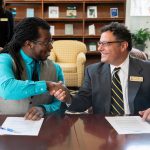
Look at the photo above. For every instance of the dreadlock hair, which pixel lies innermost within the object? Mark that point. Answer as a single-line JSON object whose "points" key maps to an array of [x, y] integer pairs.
{"points": [[120, 32], [25, 30]]}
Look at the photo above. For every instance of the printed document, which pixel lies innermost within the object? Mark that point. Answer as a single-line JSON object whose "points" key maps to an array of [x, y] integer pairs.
{"points": [[20, 126], [129, 124]]}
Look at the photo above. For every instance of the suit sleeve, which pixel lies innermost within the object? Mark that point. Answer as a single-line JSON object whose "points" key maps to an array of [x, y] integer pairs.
{"points": [[83, 99]]}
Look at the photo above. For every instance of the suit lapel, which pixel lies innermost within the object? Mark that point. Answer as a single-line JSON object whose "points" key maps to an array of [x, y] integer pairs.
{"points": [[133, 86], [106, 82]]}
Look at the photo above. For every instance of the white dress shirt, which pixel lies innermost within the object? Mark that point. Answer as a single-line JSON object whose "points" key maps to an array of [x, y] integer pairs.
{"points": [[123, 75]]}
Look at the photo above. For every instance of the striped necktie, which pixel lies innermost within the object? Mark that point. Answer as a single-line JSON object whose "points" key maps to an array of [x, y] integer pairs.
{"points": [[117, 104]]}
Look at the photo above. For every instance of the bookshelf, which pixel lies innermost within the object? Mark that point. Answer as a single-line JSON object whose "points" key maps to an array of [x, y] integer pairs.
{"points": [[21, 7], [80, 23]]}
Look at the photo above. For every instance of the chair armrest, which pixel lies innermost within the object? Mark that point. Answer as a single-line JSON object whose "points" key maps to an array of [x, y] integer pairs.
{"points": [[80, 67], [52, 56], [81, 58]]}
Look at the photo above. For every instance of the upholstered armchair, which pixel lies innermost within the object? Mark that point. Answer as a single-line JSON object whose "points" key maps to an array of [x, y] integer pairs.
{"points": [[70, 55], [138, 54]]}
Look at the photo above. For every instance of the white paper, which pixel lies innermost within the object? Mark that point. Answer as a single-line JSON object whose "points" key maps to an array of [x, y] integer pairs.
{"points": [[140, 8], [75, 113], [21, 126], [129, 124]]}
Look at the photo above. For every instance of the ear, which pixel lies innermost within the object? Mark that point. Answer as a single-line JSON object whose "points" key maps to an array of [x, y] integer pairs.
{"points": [[124, 46], [28, 44]]}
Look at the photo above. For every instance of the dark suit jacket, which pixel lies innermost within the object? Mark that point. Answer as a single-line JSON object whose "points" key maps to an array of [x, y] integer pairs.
{"points": [[96, 89], [6, 27]]}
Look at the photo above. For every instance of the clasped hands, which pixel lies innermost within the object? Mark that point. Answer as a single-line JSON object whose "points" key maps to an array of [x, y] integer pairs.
{"points": [[62, 93], [58, 90]]}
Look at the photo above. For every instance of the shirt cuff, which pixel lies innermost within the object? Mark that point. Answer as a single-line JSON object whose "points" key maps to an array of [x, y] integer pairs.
{"points": [[40, 87], [68, 103]]}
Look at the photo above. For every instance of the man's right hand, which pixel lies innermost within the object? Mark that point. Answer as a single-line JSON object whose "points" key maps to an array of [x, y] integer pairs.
{"points": [[59, 90]]}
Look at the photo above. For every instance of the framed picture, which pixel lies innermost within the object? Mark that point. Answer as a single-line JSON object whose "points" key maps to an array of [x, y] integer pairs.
{"points": [[52, 30], [30, 12], [68, 29], [92, 29], [114, 12], [53, 12], [92, 46], [71, 11], [92, 12]]}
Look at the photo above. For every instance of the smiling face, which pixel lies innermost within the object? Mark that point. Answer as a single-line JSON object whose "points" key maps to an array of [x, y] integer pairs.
{"points": [[40, 48], [112, 50]]}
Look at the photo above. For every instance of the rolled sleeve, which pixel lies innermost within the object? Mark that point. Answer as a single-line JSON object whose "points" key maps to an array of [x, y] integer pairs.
{"points": [[13, 89]]}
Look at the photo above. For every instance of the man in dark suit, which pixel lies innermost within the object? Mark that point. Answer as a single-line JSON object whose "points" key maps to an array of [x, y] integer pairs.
{"points": [[99, 89], [6, 25]]}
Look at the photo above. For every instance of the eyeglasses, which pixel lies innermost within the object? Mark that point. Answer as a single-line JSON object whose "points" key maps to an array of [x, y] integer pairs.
{"points": [[44, 43], [105, 43]]}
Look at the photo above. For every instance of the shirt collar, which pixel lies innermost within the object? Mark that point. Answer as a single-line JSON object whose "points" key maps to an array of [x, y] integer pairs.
{"points": [[123, 66], [29, 60], [25, 57]]}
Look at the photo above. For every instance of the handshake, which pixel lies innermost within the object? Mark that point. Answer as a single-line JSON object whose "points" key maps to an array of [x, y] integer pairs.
{"points": [[59, 90]]}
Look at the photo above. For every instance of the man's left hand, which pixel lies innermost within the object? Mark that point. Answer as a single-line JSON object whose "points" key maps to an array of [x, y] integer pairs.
{"points": [[145, 114], [34, 113]]}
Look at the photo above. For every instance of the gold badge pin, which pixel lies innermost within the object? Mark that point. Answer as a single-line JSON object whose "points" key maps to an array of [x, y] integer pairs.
{"points": [[136, 78], [3, 19]]}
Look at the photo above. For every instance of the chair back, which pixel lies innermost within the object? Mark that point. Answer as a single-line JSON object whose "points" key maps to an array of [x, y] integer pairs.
{"points": [[66, 51], [138, 54]]}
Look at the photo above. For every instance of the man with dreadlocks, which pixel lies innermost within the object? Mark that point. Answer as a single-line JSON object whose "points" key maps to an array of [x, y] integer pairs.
{"points": [[26, 74]]}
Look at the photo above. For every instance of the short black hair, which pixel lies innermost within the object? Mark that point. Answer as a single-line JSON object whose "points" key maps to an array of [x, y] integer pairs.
{"points": [[27, 29], [120, 31]]}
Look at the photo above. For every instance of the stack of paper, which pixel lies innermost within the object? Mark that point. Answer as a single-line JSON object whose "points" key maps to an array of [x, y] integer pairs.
{"points": [[20, 126], [129, 124]]}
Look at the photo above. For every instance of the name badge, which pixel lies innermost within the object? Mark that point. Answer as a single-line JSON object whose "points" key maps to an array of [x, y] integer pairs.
{"points": [[3, 19], [136, 78]]}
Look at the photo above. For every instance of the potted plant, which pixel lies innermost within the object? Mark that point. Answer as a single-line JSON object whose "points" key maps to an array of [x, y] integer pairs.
{"points": [[140, 37]]}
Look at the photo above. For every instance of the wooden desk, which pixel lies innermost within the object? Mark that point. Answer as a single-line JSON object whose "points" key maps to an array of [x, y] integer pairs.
{"points": [[75, 132]]}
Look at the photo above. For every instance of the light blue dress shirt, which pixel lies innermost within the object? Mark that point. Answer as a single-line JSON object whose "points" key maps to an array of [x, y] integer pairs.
{"points": [[11, 88]]}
